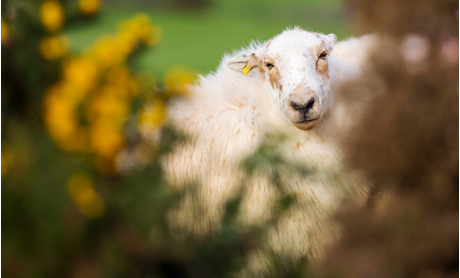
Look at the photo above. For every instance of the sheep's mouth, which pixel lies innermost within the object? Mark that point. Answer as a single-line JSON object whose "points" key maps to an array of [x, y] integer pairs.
{"points": [[307, 120], [306, 124]]}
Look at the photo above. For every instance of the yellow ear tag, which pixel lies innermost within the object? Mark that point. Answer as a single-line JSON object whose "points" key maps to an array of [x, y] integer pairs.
{"points": [[247, 68]]}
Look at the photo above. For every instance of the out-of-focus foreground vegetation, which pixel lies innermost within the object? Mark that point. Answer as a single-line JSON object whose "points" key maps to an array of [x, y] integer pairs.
{"points": [[75, 76]]}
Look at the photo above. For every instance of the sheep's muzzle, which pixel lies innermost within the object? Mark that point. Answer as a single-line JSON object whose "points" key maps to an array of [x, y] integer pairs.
{"points": [[303, 109]]}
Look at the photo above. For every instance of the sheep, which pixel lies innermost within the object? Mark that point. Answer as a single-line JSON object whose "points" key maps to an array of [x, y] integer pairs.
{"points": [[284, 85]]}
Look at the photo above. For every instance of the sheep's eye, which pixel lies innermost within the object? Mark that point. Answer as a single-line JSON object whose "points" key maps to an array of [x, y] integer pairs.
{"points": [[269, 66], [323, 55]]}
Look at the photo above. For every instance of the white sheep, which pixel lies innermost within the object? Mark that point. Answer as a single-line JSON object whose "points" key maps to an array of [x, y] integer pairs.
{"points": [[284, 85]]}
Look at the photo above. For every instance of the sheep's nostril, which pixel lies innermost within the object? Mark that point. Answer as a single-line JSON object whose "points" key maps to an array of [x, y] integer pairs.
{"points": [[296, 106], [305, 108], [310, 104]]}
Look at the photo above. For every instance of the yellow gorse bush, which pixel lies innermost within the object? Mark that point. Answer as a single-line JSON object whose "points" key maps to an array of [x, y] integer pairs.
{"points": [[177, 79], [113, 50], [52, 15], [87, 109], [61, 118], [55, 47], [7, 159], [5, 32], [89, 7], [154, 114], [81, 73], [140, 28], [81, 190]]}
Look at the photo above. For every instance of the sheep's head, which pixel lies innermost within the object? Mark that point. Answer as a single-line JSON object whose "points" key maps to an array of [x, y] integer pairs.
{"points": [[295, 64]]}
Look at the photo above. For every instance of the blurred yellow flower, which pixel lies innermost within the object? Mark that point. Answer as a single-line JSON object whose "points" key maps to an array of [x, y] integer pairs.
{"points": [[119, 77], [141, 26], [81, 190], [81, 72], [54, 47], [7, 159], [177, 79], [121, 82], [126, 41], [52, 15], [140, 30], [61, 119], [5, 32], [109, 106], [59, 113], [141, 19], [89, 7], [106, 140], [110, 51], [154, 114]]}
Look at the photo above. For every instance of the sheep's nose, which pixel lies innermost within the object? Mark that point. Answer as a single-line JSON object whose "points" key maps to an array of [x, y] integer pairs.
{"points": [[303, 108]]}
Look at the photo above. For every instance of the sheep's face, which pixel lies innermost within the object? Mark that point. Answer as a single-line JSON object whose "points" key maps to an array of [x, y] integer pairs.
{"points": [[295, 64]]}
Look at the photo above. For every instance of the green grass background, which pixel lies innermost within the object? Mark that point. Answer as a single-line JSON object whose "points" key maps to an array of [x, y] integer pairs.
{"points": [[198, 38]]}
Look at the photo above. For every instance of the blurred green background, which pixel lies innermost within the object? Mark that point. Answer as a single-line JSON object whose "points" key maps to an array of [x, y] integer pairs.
{"points": [[197, 36]]}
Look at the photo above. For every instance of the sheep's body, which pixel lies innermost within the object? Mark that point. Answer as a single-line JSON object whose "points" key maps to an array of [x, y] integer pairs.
{"points": [[354, 51], [227, 117]]}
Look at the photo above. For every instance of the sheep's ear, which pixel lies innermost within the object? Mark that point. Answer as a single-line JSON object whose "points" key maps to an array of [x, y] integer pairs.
{"points": [[330, 41], [244, 63]]}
